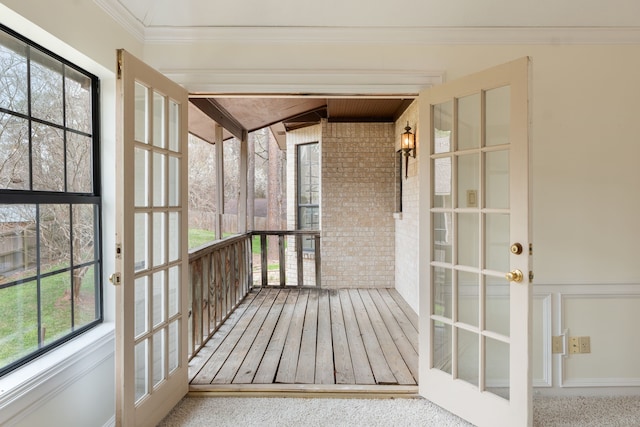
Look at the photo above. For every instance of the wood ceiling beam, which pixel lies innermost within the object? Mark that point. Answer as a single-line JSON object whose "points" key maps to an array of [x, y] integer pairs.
{"points": [[221, 116]]}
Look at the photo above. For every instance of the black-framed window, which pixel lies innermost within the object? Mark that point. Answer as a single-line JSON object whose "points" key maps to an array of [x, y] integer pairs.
{"points": [[50, 204], [308, 197]]}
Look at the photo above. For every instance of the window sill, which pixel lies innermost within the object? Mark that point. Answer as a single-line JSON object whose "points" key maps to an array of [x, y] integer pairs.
{"points": [[36, 382]]}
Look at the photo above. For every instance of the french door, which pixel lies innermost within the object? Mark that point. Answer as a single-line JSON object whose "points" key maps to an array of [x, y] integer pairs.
{"points": [[475, 279], [151, 244]]}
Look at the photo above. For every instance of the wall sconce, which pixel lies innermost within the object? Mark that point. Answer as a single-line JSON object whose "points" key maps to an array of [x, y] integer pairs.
{"points": [[408, 146]]}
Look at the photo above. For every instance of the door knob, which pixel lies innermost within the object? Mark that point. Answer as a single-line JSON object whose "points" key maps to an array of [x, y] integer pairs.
{"points": [[115, 278], [515, 276]]}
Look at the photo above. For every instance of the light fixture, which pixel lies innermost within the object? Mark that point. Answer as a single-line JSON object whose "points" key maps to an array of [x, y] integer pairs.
{"points": [[408, 146]]}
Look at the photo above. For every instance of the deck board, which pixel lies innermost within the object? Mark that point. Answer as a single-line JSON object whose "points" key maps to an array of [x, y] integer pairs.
{"points": [[354, 337]]}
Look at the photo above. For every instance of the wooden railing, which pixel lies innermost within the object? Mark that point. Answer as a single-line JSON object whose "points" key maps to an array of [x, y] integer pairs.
{"points": [[221, 276], [299, 236]]}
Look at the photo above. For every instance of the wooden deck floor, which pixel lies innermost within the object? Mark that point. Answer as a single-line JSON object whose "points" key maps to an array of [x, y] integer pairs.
{"points": [[349, 337]]}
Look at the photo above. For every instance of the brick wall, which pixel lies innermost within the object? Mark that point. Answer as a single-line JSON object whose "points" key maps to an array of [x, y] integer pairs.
{"points": [[406, 223], [358, 195]]}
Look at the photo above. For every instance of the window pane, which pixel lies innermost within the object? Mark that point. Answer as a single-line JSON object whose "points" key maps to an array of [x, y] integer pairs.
{"points": [[17, 242], [14, 152], [158, 121], [159, 238], [13, 63], [55, 242], [141, 304], [140, 369], [78, 100], [159, 181], [174, 290], [174, 126], [141, 114], [56, 301], [158, 357], [47, 158], [46, 87], [141, 172], [469, 122], [84, 295], [19, 322], [174, 345], [442, 341], [158, 297], [174, 236], [79, 163], [84, 233], [174, 181], [442, 125], [141, 242]]}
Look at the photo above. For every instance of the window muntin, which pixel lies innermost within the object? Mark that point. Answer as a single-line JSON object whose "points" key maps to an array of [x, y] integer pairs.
{"points": [[50, 256], [308, 191]]}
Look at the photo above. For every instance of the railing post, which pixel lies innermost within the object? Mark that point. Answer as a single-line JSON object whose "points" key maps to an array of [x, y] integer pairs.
{"points": [[281, 260], [300, 261], [264, 266], [318, 261]]}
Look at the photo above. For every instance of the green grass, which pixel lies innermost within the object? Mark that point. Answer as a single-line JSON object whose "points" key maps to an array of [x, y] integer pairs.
{"points": [[19, 307], [198, 237]]}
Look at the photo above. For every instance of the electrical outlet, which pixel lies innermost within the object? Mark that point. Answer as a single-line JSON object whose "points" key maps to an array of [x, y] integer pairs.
{"points": [[556, 344], [574, 345], [579, 345], [585, 344]]}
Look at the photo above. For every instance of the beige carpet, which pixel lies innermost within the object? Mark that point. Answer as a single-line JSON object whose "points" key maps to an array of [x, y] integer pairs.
{"points": [[309, 412]]}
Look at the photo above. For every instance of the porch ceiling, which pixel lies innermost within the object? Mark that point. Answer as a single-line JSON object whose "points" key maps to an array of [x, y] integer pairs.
{"points": [[288, 113]]}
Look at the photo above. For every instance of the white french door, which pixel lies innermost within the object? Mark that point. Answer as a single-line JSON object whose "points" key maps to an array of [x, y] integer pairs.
{"points": [[151, 252], [475, 279]]}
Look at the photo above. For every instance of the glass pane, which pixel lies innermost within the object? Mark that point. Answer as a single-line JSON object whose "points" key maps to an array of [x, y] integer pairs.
{"points": [[141, 242], [159, 238], [467, 241], [497, 242], [47, 158], [55, 244], [14, 151], [497, 179], [19, 325], [174, 181], [174, 290], [442, 346], [442, 127], [158, 297], [46, 87], [442, 244], [84, 233], [497, 368], [497, 115], [442, 182], [468, 356], [497, 305], [158, 357], [469, 122], [468, 181], [13, 54], [140, 369], [159, 181], [174, 345], [174, 236], [141, 180], [141, 305], [468, 298], [141, 113], [84, 290], [55, 303], [79, 163], [442, 292], [174, 126], [309, 174], [78, 100], [158, 121], [18, 240]]}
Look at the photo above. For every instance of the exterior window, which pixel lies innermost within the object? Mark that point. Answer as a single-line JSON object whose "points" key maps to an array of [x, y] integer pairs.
{"points": [[308, 191], [50, 256]]}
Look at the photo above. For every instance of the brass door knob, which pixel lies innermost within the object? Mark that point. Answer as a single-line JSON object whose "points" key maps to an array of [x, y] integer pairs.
{"points": [[515, 276], [516, 249]]}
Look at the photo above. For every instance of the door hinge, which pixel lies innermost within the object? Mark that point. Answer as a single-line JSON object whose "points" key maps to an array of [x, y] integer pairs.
{"points": [[530, 248], [118, 250], [530, 276]]}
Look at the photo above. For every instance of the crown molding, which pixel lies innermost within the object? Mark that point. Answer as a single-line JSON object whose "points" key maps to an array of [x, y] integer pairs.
{"points": [[304, 82], [122, 16], [395, 35]]}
